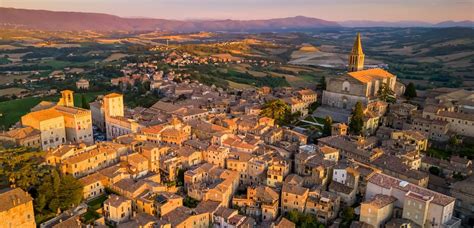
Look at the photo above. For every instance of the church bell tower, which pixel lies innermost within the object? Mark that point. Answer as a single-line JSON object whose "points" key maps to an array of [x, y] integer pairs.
{"points": [[67, 98], [356, 58]]}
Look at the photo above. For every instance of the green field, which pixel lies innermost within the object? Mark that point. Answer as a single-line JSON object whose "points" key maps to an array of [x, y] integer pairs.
{"points": [[11, 111], [59, 65]]}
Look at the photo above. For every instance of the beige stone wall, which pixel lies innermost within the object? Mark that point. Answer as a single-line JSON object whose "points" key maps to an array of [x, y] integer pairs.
{"points": [[20, 216], [341, 100], [119, 214], [197, 221], [354, 87], [79, 127], [53, 132], [375, 216], [170, 205], [113, 106], [416, 210], [93, 190], [291, 202]]}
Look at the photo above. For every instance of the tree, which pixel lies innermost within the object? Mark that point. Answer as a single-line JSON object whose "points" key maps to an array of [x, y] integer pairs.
{"points": [[22, 167], [293, 216], [56, 180], [410, 91], [303, 220], [322, 83], [84, 103], [356, 122], [277, 110], [327, 126], [348, 216], [455, 141], [434, 170], [386, 94], [70, 193], [40, 203]]}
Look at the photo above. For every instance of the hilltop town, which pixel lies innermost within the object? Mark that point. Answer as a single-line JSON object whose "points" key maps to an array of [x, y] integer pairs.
{"points": [[167, 147]]}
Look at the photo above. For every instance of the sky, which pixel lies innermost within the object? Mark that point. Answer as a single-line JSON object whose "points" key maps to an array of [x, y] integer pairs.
{"points": [[335, 10]]}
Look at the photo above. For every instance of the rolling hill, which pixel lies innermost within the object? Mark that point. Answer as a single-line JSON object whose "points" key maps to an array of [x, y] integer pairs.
{"points": [[75, 21]]}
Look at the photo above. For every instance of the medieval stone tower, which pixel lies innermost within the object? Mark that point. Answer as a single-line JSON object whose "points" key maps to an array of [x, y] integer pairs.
{"points": [[67, 98], [356, 58]]}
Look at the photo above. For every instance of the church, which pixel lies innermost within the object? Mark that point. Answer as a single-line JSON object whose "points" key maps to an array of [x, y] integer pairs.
{"points": [[358, 84]]}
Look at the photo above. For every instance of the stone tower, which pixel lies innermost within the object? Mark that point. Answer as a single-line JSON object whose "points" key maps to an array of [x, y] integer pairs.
{"points": [[67, 98], [113, 105], [356, 58]]}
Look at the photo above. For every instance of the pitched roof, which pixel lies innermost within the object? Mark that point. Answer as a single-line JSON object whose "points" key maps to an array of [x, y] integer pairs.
{"points": [[93, 178], [294, 189], [45, 114], [381, 201], [10, 198], [284, 223], [21, 133], [388, 182], [366, 76], [115, 200]]}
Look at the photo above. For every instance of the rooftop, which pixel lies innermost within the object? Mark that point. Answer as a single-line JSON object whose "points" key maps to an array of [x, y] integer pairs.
{"points": [[388, 182], [10, 198], [366, 76], [381, 201]]}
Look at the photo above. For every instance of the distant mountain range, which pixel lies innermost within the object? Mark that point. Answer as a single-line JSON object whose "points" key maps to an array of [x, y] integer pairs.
{"points": [[51, 20], [75, 21], [364, 23]]}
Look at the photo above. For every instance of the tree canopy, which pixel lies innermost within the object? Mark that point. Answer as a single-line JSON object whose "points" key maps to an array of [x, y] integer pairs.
{"points": [[356, 122], [84, 103], [410, 91], [386, 94], [303, 220], [22, 167], [327, 126], [322, 83], [278, 110]]}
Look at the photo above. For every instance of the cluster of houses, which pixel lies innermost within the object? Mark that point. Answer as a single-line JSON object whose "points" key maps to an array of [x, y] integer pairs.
{"points": [[212, 147]]}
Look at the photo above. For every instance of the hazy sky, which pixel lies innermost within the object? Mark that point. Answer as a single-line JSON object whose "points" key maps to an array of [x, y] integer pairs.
{"points": [[387, 10]]}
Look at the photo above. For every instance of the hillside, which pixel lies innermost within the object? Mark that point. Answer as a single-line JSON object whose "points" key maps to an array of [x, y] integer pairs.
{"points": [[67, 21]]}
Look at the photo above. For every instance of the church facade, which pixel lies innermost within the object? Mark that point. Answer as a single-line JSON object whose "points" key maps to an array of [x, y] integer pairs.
{"points": [[357, 84]]}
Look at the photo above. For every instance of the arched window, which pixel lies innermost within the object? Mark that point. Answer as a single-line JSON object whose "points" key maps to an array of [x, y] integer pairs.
{"points": [[346, 86]]}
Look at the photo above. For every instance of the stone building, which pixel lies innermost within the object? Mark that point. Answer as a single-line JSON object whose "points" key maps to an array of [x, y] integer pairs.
{"points": [[25, 136], [61, 122], [424, 207], [51, 125], [463, 191], [16, 209], [293, 197], [82, 84], [358, 85], [377, 211], [261, 202], [117, 209]]}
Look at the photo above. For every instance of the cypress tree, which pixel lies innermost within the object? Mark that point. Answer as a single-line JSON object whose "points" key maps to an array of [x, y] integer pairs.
{"points": [[327, 126], [357, 122], [410, 91], [84, 103]]}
